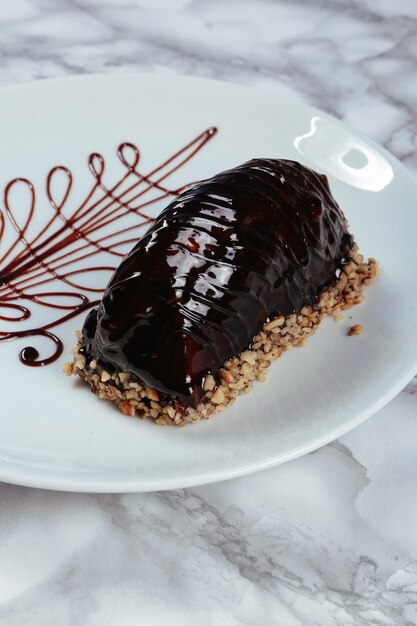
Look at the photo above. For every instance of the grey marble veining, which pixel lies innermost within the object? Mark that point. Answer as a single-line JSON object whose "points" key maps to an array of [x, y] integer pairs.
{"points": [[327, 540]]}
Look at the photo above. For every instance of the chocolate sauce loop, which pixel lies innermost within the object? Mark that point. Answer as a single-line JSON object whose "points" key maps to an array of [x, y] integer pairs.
{"points": [[47, 299], [30, 355], [62, 174], [25, 313]]}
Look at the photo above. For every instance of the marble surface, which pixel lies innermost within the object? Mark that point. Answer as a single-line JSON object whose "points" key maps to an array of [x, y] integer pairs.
{"points": [[329, 539]]}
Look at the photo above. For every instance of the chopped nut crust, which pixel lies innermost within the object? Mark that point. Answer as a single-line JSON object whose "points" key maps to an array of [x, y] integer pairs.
{"points": [[356, 329]]}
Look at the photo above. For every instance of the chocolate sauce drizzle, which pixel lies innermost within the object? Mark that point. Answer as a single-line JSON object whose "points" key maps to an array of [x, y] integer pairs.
{"points": [[62, 250]]}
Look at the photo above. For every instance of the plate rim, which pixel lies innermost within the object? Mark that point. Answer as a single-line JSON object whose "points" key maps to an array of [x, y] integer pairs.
{"points": [[283, 96], [137, 486]]}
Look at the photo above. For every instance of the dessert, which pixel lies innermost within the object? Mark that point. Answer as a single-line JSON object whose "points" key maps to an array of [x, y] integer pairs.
{"points": [[232, 273]]}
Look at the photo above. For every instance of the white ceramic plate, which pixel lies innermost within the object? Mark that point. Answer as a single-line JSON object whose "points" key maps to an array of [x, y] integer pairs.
{"points": [[55, 434]]}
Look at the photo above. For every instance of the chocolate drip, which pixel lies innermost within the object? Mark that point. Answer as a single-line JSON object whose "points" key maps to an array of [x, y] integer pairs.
{"points": [[262, 239], [55, 252]]}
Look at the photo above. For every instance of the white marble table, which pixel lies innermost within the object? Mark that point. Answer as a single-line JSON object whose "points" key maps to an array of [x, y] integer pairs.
{"points": [[329, 539]]}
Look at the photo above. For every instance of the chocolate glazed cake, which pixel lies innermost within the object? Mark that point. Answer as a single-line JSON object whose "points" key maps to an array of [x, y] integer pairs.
{"points": [[233, 272]]}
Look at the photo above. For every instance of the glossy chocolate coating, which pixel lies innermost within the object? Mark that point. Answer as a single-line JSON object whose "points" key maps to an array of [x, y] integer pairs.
{"points": [[259, 240]]}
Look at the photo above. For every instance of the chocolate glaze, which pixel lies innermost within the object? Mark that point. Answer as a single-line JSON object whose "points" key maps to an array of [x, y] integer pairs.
{"points": [[262, 239], [53, 254]]}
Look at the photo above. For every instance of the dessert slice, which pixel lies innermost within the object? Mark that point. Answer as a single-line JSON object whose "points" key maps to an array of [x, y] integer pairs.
{"points": [[233, 272]]}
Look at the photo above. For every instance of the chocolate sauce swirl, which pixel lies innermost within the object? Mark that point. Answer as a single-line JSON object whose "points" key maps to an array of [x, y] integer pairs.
{"points": [[53, 266], [262, 239]]}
